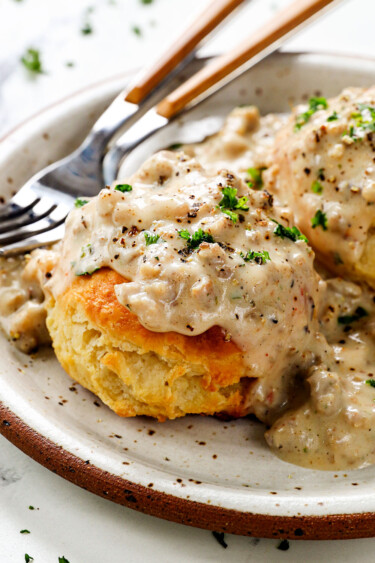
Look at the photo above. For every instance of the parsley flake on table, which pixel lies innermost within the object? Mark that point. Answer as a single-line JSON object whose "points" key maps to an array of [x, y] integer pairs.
{"points": [[24, 531], [80, 202], [195, 240], [255, 174], [315, 104], [291, 233], [28, 558], [359, 313], [150, 239], [31, 60], [370, 382], [136, 30], [63, 560], [123, 188], [229, 203], [146, 1], [258, 257], [319, 220]]}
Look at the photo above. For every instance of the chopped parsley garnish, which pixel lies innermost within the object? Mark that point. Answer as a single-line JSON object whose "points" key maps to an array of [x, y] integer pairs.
{"points": [[333, 117], [364, 120], [230, 202], [258, 257], [80, 202], [146, 1], [319, 220], [31, 508], [63, 560], [151, 239], [315, 104], [28, 558], [371, 382], [88, 273], [256, 178], [292, 233], [317, 187], [87, 28], [31, 61], [123, 188], [137, 30], [359, 313], [24, 531], [174, 146], [196, 239]]}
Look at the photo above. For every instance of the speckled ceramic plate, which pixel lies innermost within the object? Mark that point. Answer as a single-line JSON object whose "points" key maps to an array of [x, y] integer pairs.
{"points": [[198, 471]]}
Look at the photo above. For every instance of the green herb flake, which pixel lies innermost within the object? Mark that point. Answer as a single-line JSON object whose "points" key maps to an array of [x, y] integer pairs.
{"points": [[63, 560], [256, 178], [174, 146], [195, 240], [230, 202], [28, 558], [80, 202], [370, 382], [291, 233], [319, 220], [31, 60], [359, 313], [305, 450], [123, 188], [147, 1], [333, 117], [24, 531], [70, 64], [151, 239], [317, 187], [31, 508], [88, 273], [136, 30], [315, 104], [87, 28], [258, 257]]}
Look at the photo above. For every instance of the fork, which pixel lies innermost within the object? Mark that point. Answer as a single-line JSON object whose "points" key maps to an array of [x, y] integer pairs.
{"points": [[35, 215], [202, 85]]}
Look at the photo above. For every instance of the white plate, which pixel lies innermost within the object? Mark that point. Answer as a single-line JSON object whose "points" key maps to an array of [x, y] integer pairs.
{"points": [[196, 470]]}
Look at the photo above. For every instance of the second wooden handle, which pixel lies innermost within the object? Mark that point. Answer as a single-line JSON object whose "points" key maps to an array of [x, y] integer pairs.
{"points": [[282, 23]]}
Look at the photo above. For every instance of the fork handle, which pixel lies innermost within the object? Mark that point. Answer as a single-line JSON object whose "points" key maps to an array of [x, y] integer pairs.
{"points": [[282, 23], [216, 12]]}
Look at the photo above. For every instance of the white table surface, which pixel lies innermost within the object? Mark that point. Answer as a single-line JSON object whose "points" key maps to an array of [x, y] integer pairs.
{"points": [[67, 520]]}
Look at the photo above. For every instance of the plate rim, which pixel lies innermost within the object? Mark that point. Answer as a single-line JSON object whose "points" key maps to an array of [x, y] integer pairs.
{"points": [[175, 509], [157, 503]]}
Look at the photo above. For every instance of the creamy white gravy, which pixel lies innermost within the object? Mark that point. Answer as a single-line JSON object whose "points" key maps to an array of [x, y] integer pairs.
{"points": [[307, 338]]}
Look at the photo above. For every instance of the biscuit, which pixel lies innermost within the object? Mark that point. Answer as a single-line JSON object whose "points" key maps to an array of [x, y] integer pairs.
{"points": [[102, 346]]}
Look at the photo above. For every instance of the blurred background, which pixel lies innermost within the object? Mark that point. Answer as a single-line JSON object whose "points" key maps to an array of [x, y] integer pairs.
{"points": [[76, 43]]}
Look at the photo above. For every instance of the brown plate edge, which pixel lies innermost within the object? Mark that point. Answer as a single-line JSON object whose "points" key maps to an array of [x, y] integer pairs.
{"points": [[159, 504]]}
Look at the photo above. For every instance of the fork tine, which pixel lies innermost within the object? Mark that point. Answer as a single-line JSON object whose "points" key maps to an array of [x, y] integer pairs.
{"points": [[24, 200], [42, 239], [57, 216], [40, 210]]}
